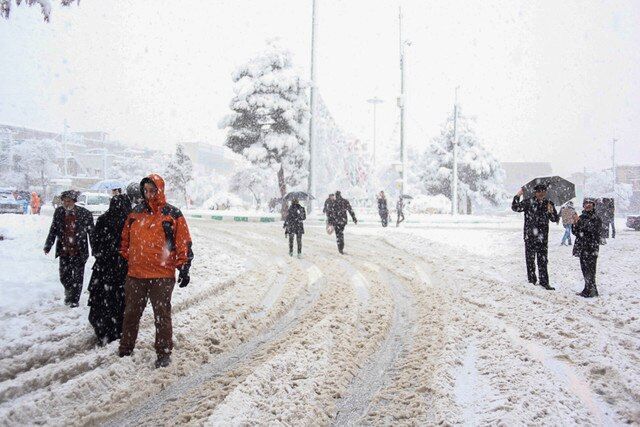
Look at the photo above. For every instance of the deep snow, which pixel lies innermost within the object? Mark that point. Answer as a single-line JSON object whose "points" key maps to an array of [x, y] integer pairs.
{"points": [[421, 324]]}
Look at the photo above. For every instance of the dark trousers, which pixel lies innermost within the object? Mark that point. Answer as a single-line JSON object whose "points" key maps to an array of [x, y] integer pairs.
{"points": [[71, 277], [613, 229], [400, 218], [339, 229], [137, 291], [536, 252], [588, 264], [384, 217], [298, 241]]}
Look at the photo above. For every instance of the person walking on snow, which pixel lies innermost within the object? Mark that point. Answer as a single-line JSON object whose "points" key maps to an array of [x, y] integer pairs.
{"points": [[338, 218], [399, 209], [70, 230], [294, 226], [106, 286], [155, 241], [567, 212], [383, 211], [35, 204], [538, 211], [587, 228]]}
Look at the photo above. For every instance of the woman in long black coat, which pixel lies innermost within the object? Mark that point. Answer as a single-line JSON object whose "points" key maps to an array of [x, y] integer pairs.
{"points": [[587, 228], [106, 287], [293, 225]]}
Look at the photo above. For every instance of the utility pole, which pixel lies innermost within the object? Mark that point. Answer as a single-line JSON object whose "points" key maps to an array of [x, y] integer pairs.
{"points": [[312, 101], [374, 101], [401, 103], [64, 148], [613, 166], [454, 181]]}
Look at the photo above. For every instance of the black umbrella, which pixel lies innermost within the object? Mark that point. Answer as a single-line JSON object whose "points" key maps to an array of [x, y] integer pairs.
{"points": [[559, 190], [406, 196], [300, 195]]}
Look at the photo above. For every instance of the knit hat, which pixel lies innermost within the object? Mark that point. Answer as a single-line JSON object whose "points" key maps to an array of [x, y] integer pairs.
{"points": [[70, 194]]}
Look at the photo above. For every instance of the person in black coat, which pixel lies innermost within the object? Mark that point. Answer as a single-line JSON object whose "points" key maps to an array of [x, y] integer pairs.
{"points": [[70, 230], [338, 218], [294, 226], [383, 210], [538, 211], [106, 287], [587, 228]]}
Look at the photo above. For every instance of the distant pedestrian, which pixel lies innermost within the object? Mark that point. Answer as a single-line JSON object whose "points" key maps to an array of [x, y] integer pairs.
{"points": [[35, 203], [106, 286], [327, 210], [567, 213], [610, 216], [587, 228], [383, 210], [294, 225], [538, 211], [155, 241], [338, 218], [70, 230], [400, 210], [134, 194]]}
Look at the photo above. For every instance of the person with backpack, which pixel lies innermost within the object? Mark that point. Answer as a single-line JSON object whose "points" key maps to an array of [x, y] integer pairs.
{"points": [[156, 242]]}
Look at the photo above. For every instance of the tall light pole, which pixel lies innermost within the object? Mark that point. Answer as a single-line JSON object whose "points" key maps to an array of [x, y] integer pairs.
{"points": [[312, 105], [401, 102], [64, 148], [374, 101], [613, 166], [454, 181]]}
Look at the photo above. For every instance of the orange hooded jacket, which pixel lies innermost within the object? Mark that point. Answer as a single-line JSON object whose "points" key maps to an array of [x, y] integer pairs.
{"points": [[35, 202], [155, 238]]}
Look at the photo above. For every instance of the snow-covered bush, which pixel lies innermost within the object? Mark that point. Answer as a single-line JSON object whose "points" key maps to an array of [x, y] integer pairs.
{"points": [[424, 204], [269, 125], [203, 187], [223, 200]]}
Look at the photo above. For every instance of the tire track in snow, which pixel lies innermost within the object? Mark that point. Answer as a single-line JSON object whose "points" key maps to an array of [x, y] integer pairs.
{"points": [[374, 375], [227, 361]]}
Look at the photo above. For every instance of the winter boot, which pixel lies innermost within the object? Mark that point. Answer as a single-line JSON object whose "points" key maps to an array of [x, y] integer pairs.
{"points": [[291, 253], [163, 361], [124, 353], [299, 255], [548, 287]]}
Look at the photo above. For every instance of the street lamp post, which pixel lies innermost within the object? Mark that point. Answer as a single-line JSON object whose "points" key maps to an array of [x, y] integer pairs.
{"points": [[312, 101], [401, 99], [374, 101], [454, 181]]}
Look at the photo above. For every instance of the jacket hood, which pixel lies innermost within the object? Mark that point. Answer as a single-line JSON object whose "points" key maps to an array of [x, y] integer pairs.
{"points": [[120, 205], [160, 199]]}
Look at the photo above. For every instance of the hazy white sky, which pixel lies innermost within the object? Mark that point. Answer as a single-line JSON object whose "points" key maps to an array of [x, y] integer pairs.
{"points": [[546, 80]]}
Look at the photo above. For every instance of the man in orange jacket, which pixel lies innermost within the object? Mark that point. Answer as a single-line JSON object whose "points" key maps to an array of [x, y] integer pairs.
{"points": [[35, 204], [155, 241]]}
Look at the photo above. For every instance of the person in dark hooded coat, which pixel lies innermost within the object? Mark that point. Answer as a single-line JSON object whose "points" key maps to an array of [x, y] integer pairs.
{"points": [[383, 210], [106, 287], [587, 228], [294, 226]]}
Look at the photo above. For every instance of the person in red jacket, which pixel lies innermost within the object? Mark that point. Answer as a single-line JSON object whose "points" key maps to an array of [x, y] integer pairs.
{"points": [[155, 241]]}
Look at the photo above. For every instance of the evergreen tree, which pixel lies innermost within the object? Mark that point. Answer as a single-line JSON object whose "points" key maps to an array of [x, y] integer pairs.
{"points": [[480, 175], [179, 172], [269, 123]]}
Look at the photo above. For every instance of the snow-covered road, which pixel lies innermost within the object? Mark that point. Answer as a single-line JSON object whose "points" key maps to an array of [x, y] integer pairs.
{"points": [[411, 326]]}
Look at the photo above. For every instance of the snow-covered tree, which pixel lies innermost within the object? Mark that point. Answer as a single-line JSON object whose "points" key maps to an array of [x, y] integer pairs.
{"points": [[179, 172], [45, 6], [254, 180], [600, 184], [269, 123], [34, 160], [480, 175], [133, 168]]}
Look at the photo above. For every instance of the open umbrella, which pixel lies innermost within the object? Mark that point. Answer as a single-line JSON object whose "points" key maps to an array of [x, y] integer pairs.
{"points": [[559, 190], [300, 195], [108, 184], [406, 196]]}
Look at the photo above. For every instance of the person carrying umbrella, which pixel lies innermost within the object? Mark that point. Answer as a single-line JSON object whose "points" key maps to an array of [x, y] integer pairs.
{"points": [[538, 211], [293, 225], [383, 210], [338, 218], [399, 210], [587, 228]]}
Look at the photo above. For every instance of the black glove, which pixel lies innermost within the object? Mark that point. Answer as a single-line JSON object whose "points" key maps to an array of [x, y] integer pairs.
{"points": [[183, 277]]}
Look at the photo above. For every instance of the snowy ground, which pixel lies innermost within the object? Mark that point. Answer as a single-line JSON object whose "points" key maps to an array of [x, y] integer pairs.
{"points": [[424, 324]]}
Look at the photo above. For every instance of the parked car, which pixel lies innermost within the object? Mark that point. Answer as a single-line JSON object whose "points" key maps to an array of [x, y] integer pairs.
{"points": [[96, 203], [9, 204], [633, 221]]}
